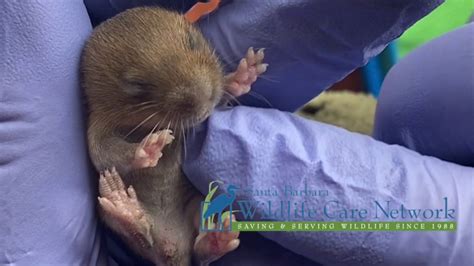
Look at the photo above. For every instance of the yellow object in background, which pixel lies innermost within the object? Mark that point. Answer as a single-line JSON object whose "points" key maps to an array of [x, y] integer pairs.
{"points": [[352, 111]]}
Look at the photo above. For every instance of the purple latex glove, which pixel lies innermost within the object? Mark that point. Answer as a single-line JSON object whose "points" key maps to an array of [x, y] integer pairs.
{"points": [[256, 148], [50, 36], [310, 44], [47, 199], [259, 149], [434, 111]]}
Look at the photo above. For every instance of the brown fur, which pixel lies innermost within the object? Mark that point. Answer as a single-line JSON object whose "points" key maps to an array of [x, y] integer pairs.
{"points": [[150, 55]]}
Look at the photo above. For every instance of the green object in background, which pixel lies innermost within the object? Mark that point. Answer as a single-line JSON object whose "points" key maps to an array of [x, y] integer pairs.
{"points": [[450, 15]]}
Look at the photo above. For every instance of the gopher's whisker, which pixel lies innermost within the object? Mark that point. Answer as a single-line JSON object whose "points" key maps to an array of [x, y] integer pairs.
{"points": [[260, 97], [144, 103], [232, 98], [140, 124], [184, 139]]}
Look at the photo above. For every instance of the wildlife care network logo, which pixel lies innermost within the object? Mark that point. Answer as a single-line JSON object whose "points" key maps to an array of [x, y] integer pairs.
{"points": [[306, 208], [216, 213]]}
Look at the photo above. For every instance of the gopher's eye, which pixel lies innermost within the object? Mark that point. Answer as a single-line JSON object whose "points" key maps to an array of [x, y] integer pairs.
{"points": [[136, 87]]}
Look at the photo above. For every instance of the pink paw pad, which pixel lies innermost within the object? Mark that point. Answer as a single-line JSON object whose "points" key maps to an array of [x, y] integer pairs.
{"points": [[210, 246], [122, 206], [148, 152], [250, 67]]}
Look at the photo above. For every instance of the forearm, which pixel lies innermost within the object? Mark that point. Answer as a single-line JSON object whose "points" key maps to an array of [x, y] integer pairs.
{"points": [[270, 149]]}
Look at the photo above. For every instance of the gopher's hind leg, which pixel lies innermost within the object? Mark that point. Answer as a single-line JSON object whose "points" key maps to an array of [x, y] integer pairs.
{"points": [[122, 212]]}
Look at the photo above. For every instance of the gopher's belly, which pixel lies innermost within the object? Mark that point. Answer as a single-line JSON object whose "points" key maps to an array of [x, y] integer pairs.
{"points": [[171, 202]]}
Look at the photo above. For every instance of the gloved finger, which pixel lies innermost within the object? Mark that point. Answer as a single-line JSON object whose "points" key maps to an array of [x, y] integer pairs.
{"points": [[427, 99]]}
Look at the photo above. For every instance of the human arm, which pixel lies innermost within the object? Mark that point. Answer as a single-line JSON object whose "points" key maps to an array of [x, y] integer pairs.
{"points": [[425, 105], [257, 149]]}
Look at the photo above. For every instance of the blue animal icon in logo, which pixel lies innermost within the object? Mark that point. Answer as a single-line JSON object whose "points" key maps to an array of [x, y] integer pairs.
{"points": [[212, 207]]}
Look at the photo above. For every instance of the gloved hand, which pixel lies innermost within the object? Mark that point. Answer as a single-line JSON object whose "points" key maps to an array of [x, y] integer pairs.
{"points": [[260, 149], [310, 44], [429, 96], [43, 176], [257, 149], [47, 197]]}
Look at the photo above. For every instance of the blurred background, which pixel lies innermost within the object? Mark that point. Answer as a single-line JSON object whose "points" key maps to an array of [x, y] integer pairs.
{"points": [[351, 102]]}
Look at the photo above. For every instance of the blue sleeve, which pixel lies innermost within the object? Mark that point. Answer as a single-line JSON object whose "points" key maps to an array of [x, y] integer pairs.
{"points": [[259, 149]]}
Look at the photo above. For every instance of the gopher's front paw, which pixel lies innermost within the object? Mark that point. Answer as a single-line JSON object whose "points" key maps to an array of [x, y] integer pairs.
{"points": [[148, 152], [250, 67]]}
